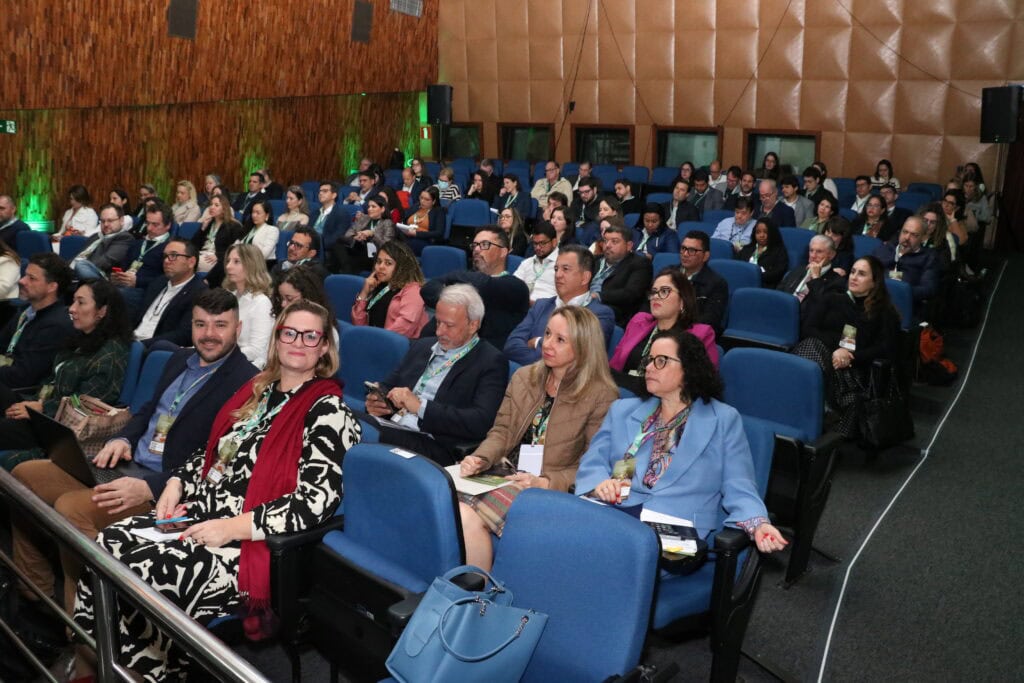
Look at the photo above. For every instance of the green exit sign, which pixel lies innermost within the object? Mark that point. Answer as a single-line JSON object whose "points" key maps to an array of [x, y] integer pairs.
{"points": [[10, 127]]}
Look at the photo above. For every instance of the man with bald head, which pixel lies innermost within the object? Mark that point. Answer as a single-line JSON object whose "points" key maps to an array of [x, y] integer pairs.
{"points": [[909, 260], [817, 276], [10, 224]]}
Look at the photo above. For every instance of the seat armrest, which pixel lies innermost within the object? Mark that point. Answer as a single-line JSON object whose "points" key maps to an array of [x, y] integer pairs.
{"points": [[730, 540], [278, 543], [461, 450], [400, 613]]}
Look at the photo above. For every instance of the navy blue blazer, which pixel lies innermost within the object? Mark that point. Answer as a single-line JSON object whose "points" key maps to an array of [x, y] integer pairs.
{"points": [[625, 289], [520, 204], [467, 400], [337, 223], [191, 428], [435, 231], [712, 298], [38, 346], [152, 263], [663, 241], [175, 323], [10, 233], [536, 320], [782, 215]]}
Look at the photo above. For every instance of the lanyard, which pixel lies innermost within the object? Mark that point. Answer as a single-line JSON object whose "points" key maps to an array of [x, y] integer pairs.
{"points": [[511, 199], [755, 255], [259, 415], [182, 394], [650, 340], [734, 233], [644, 435], [143, 250], [377, 297], [431, 374], [543, 266], [22, 322]]}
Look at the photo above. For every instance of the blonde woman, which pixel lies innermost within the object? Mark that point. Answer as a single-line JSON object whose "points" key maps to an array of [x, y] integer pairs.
{"points": [[185, 207], [297, 214], [245, 275], [552, 407]]}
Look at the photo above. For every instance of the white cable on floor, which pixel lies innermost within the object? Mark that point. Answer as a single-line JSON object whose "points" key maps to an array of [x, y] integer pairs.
{"points": [[924, 456]]}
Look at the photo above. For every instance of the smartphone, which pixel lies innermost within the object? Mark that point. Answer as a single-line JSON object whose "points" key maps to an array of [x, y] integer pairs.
{"points": [[375, 389], [173, 527], [117, 269]]}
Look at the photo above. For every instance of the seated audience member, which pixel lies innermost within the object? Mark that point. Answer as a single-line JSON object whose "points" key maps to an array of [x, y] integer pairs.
{"points": [[686, 170], [80, 219], [185, 208], [146, 193], [555, 405], [426, 221], [423, 179], [772, 208], [210, 182], [838, 230], [447, 189], [90, 362], [217, 189], [506, 298], [711, 289], [538, 270], [512, 196], [145, 260], [767, 251], [703, 196], [688, 450], [31, 339], [958, 221], [352, 180], [937, 236], [243, 202], [813, 188], [744, 190], [333, 221], [977, 204], [624, 194], [155, 442], [272, 188], [738, 230], [390, 297], [678, 210], [355, 250], [895, 215], [883, 175], [770, 167], [561, 220], [291, 421], [846, 359], [10, 273], [297, 214], [585, 206], [366, 189], [574, 269], [299, 284], [825, 210], [551, 182], [621, 277], [395, 207], [817, 277], [259, 230], [584, 170], [218, 232], [656, 237], [731, 183], [907, 260], [106, 249], [492, 180], [673, 305], [246, 277], [303, 250], [862, 190], [511, 222], [479, 188], [826, 182], [166, 311], [138, 230], [119, 198], [873, 221], [447, 388], [608, 207], [10, 223], [716, 178], [555, 201], [803, 209]]}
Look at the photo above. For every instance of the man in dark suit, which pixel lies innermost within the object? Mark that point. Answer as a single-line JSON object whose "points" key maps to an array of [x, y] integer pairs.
{"points": [[243, 202], [105, 250], [161, 437], [146, 193], [745, 188], [303, 250], [622, 277], [166, 311], [574, 270], [813, 189], [30, 340], [704, 197], [447, 389], [678, 210], [272, 188], [10, 224], [895, 215], [817, 277], [145, 260], [586, 204], [909, 260], [711, 288], [624, 193], [772, 208], [492, 181], [333, 221]]}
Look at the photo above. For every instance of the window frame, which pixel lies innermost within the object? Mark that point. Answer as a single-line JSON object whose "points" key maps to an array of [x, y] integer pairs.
{"points": [[717, 131], [447, 131], [502, 125], [780, 132], [629, 128]]}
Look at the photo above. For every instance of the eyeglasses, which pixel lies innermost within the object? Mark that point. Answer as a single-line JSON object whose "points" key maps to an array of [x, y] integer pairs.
{"points": [[540, 243], [171, 256], [298, 245], [690, 250], [659, 361], [661, 293], [485, 245], [288, 335], [550, 169]]}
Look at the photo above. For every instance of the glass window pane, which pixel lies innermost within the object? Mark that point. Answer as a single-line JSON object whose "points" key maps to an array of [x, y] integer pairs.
{"points": [[463, 141], [796, 152], [604, 146], [532, 143], [675, 147]]}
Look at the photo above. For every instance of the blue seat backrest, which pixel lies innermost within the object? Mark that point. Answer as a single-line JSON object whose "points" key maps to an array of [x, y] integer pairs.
{"points": [[131, 373], [865, 245], [716, 216], [188, 229], [721, 250], [635, 174], [278, 207], [368, 354], [847, 188], [606, 174], [847, 213], [912, 201], [633, 220], [562, 556], [780, 387], [30, 242], [283, 238], [513, 262], [570, 168], [662, 176], [903, 298], [761, 439], [659, 197], [393, 178], [152, 369], [71, 246], [311, 188], [932, 189], [797, 241], [436, 260], [764, 315], [342, 291], [617, 334], [738, 274], [432, 168], [664, 260], [538, 170]]}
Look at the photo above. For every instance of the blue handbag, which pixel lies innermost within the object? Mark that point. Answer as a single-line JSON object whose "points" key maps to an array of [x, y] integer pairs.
{"points": [[461, 635]]}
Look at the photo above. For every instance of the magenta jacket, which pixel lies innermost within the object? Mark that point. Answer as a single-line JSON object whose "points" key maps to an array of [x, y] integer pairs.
{"points": [[641, 324]]}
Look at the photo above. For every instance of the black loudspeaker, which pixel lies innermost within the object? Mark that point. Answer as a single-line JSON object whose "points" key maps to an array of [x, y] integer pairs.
{"points": [[181, 18], [439, 105], [1000, 113], [362, 22]]}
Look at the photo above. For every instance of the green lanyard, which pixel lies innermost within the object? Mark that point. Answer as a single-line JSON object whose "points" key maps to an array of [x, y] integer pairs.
{"points": [[143, 250], [377, 297], [259, 415], [644, 435], [431, 374], [22, 323], [182, 394]]}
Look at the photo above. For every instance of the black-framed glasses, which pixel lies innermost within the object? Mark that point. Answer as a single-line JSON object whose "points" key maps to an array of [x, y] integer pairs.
{"points": [[484, 245], [172, 256], [659, 361], [540, 243], [310, 338], [690, 250], [661, 293], [298, 245]]}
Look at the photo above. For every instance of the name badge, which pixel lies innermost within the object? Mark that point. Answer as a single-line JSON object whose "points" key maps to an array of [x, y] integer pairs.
{"points": [[371, 249], [5, 361], [163, 425], [531, 459], [225, 454], [45, 392], [136, 264], [849, 338], [895, 275]]}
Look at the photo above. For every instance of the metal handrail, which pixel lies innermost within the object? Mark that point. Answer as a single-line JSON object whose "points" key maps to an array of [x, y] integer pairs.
{"points": [[110, 575]]}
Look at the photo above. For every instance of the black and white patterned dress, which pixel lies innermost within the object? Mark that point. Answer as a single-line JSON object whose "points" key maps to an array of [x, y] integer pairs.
{"points": [[201, 580]]}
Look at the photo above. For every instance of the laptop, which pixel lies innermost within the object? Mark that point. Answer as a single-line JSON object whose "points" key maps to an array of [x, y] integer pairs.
{"points": [[62, 448]]}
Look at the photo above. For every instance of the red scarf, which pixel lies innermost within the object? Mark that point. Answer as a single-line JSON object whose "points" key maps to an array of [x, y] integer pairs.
{"points": [[274, 475]]}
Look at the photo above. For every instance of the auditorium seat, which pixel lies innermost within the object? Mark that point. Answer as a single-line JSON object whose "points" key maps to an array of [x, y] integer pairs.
{"points": [[865, 245], [721, 250], [797, 241], [639, 175], [659, 197], [152, 369], [342, 291], [932, 189], [188, 229], [662, 177], [368, 354], [664, 260], [903, 298], [436, 260], [716, 216], [464, 217], [738, 274], [131, 373], [30, 242], [762, 317], [71, 246]]}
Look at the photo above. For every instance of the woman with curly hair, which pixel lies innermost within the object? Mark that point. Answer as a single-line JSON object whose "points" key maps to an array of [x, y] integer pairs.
{"points": [[767, 251], [390, 297]]}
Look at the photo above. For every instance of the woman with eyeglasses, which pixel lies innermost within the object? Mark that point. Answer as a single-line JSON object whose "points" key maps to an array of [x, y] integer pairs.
{"points": [[884, 175], [673, 306], [958, 221], [424, 223], [390, 297], [551, 410], [937, 235], [873, 220], [272, 465], [247, 278], [511, 222], [679, 450]]}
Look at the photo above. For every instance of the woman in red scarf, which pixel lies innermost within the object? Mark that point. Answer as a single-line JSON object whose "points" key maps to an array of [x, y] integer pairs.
{"points": [[272, 465]]}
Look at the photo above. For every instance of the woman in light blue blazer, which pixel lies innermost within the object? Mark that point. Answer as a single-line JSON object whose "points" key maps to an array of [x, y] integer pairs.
{"points": [[680, 451]]}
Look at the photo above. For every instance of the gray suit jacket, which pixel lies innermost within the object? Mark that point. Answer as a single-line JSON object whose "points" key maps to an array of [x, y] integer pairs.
{"points": [[111, 251]]}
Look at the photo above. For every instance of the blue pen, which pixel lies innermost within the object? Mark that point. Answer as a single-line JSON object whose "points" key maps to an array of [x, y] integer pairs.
{"points": [[174, 520]]}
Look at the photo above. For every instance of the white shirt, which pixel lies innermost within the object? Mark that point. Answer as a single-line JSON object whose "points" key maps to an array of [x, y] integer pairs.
{"points": [[256, 314], [539, 276], [10, 271], [265, 240], [85, 221], [719, 184], [156, 309], [858, 203]]}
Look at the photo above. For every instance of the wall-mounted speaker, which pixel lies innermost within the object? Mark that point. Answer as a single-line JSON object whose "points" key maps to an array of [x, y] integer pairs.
{"points": [[362, 21], [181, 18], [1000, 113], [439, 105]]}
